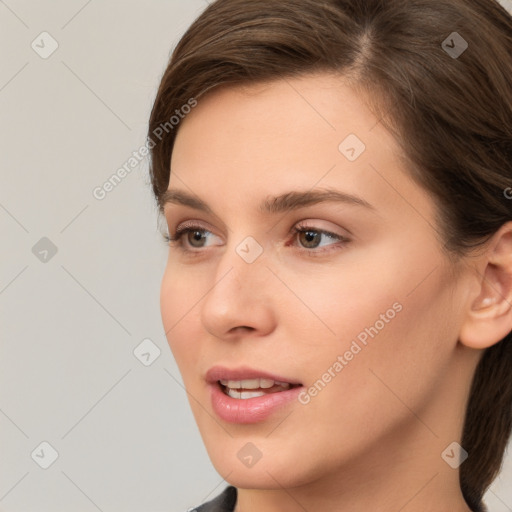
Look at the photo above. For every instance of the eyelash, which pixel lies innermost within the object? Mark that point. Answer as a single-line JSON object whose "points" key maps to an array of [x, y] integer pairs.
{"points": [[175, 240]]}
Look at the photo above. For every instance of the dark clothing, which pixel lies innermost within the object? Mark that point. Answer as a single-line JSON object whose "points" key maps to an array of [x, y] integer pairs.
{"points": [[226, 502]]}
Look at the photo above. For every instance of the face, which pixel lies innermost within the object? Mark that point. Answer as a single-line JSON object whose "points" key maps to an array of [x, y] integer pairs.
{"points": [[356, 309]]}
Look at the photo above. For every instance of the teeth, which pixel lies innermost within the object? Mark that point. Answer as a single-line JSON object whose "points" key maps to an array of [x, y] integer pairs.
{"points": [[244, 394], [253, 384]]}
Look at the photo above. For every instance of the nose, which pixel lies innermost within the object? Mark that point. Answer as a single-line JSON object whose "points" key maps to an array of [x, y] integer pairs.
{"points": [[239, 298]]}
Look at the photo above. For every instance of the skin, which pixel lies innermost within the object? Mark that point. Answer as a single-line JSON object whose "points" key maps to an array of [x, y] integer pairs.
{"points": [[372, 438]]}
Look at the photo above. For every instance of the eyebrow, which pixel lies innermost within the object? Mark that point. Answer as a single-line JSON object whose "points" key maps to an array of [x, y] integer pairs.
{"points": [[293, 200]]}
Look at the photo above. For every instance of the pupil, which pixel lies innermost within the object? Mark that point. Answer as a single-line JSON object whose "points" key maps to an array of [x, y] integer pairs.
{"points": [[197, 236], [310, 236]]}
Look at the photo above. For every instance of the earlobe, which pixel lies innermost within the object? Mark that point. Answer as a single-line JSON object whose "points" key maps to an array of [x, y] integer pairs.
{"points": [[489, 315]]}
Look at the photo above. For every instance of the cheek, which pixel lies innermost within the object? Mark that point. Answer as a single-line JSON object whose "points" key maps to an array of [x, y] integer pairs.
{"points": [[393, 325], [332, 305]]}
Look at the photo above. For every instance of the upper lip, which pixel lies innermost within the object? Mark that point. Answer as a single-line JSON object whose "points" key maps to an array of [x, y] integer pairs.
{"points": [[217, 373]]}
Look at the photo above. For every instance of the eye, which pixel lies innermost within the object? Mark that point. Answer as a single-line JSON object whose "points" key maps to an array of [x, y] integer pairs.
{"points": [[311, 237], [195, 236]]}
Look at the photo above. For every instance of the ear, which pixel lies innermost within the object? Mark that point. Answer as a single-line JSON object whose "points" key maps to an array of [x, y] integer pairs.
{"points": [[489, 315]]}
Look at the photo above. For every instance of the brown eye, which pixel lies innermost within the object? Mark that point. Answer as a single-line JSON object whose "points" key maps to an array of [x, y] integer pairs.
{"points": [[310, 238], [189, 237], [195, 235]]}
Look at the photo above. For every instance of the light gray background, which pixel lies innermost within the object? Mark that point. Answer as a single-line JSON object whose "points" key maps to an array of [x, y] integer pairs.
{"points": [[125, 437]]}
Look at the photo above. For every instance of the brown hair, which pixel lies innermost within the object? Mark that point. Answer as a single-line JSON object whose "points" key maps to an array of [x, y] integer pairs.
{"points": [[450, 113]]}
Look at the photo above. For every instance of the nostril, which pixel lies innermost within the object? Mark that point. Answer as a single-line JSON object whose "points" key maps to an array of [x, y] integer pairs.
{"points": [[243, 327]]}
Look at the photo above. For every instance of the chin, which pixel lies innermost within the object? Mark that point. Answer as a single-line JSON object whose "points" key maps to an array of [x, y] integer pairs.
{"points": [[262, 478], [272, 471]]}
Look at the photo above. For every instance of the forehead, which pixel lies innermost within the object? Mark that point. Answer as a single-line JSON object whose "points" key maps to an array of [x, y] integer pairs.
{"points": [[246, 143]]}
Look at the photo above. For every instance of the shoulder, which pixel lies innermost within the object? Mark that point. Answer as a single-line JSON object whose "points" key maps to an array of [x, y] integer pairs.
{"points": [[224, 502]]}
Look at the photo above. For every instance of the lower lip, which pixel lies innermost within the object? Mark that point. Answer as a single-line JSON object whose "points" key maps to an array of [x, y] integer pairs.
{"points": [[250, 410]]}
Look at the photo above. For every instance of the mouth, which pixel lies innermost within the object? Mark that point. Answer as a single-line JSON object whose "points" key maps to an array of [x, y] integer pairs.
{"points": [[253, 388], [246, 395]]}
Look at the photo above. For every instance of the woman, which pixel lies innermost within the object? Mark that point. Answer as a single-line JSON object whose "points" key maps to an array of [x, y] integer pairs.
{"points": [[335, 180]]}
